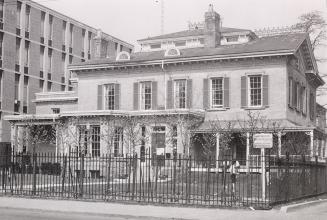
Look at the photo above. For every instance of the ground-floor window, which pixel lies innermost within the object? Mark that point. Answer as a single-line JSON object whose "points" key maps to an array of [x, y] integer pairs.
{"points": [[95, 140], [118, 142]]}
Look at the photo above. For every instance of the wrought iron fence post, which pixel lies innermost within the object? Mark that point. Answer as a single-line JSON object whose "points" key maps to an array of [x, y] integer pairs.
{"points": [[81, 176], [34, 174], [287, 177], [302, 179], [64, 174], [316, 174]]}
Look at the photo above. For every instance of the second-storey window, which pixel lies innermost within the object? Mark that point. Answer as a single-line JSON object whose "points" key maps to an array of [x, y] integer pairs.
{"points": [[146, 95], [217, 93], [255, 91], [109, 94], [180, 93]]}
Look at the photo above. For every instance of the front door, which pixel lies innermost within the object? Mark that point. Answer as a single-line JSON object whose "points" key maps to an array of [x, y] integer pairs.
{"points": [[158, 143]]}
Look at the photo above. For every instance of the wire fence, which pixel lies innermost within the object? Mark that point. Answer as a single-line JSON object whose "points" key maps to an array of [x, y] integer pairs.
{"points": [[261, 181]]}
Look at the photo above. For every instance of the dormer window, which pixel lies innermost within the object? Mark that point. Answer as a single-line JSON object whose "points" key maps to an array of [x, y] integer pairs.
{"points": [[181, 43], [172, 52], [155, 46], [232, 39], [122, 56]]}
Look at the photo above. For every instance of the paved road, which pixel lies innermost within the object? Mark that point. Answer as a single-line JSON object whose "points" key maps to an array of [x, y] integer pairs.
{"points": [[24, 214]]}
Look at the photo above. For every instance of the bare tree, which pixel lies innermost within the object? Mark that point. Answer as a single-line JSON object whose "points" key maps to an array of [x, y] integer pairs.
{"points": [[315, 25]]}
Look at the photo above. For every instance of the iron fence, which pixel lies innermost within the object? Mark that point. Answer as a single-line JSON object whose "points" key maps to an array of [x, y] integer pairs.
{"points": [[260, 181]]}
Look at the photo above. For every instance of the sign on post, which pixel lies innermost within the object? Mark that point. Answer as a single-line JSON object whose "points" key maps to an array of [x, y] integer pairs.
{"points": [[262, 140]]}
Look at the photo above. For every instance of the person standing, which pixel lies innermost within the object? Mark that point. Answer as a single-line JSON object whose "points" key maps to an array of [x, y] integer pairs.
{"points": [[234, 171]]}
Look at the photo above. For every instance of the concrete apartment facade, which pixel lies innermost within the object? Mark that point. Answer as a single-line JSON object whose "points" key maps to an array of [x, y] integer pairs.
{"points": [[173, 91], [36, 45]]}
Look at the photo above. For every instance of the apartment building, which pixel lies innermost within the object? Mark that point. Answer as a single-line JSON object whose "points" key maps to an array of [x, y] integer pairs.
{"points": [[183, 83], [36, 45]]}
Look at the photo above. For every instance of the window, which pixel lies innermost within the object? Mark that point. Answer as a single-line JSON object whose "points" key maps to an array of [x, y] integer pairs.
{"points": [[217, 92], [255, 91], [109, 96], [1, 44], [50, 27], [89, 42], [180, 93], [27, 51], [41, 57], [71, 30], [42, 23], [95, 140], [19, 9], [55, 110], [312, 107], [118, 142], [49, 60], [64, 24], [121, 48], [25, 95], [27, 17], [63, 62], [1, 9], [83, 140], [17, 79], [41, 85], [290, 91], [146, 95], [18, 50], [83, 39], [49, 86]]}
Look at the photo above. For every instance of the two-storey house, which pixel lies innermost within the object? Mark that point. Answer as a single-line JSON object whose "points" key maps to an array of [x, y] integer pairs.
{"points": [[208, 79]]}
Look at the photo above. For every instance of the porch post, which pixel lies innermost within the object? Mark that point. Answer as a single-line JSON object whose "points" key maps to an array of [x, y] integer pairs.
{"points": [[279, 143], [311, 144], [217, 150], [247, 151], [13, 137]]}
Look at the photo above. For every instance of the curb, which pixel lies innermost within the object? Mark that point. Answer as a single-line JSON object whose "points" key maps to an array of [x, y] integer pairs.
{"points": [[294, 207]]}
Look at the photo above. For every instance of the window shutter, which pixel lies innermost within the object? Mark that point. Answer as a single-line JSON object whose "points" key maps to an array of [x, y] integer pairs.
{"points": [[244, 91], [170, 97], [294, 97], [226, 92], [189, 93], [206, 96], [100, 97], [117, 96], [136, 96], [154, 95], [265, 87]]}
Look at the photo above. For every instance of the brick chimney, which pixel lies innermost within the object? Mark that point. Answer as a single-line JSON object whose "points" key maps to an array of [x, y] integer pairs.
{"points": [[101, 46], [212, 28]]}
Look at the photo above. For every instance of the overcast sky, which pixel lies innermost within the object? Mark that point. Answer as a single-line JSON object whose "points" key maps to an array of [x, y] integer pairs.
{"points": [[131, 20]]}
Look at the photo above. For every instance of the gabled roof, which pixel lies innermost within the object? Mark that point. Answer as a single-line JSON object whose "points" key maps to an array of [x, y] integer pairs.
{"points": [[194, 32], [266, 45]]}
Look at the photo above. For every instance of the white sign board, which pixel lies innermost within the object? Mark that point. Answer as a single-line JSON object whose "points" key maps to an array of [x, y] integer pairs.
{"points": [[262, 140]]}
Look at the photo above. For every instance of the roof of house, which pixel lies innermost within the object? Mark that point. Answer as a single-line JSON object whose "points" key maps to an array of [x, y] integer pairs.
{"points": [[194, 32], [271, 44]]}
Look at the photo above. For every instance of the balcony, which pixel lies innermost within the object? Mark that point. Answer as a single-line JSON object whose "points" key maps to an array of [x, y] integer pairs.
{"points": [[18, 31], [50, 43], [56, 96], [27, 34], [42, 40]]}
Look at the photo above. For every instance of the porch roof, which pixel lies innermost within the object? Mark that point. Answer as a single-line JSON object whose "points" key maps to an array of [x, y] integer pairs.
{"points": [[260, 125]]}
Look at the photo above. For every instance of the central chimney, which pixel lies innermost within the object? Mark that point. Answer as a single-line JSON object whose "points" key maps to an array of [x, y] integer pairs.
{"points": [[212, 28]]}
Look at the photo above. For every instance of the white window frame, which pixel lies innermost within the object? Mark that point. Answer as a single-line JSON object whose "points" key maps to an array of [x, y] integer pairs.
{"points": [[249, 90], [211, 92], [92, 141], [176, 91], [106, 96], [142, 95]]}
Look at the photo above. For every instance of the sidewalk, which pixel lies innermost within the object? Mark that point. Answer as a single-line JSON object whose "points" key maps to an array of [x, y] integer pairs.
{"points": [[101, 208]]}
